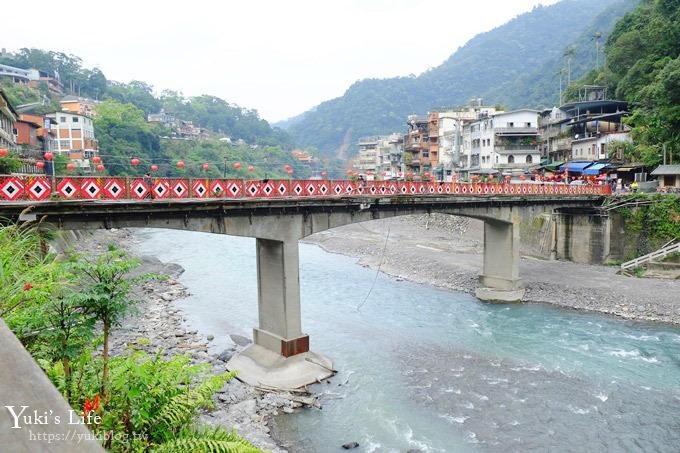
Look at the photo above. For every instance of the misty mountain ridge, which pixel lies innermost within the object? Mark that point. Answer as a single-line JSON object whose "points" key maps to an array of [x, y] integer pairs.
{"points": [[517, 65]]}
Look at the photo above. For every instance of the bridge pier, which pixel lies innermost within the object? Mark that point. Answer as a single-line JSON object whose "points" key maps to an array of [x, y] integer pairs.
{"points": [[499, 280], [279, 356]]}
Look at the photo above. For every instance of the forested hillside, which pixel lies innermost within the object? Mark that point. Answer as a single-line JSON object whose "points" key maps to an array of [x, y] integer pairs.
{"points": [[516, 65], [643, 68]]}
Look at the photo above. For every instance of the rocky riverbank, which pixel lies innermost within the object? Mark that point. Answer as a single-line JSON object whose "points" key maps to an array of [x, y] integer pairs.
{"points": [[159, 325]]}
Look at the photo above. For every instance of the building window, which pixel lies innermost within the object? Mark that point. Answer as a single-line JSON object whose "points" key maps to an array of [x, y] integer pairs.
{"points": [[62, 119], [529, 159], [75, 119], [511, 159]]}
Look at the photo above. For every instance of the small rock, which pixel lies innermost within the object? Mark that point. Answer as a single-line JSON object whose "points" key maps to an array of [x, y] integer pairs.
{"points": [[240, 340], [350, 445], [210, 337], [226, 355]]}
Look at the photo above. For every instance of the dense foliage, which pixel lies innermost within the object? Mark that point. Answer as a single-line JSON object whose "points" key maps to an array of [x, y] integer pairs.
{"points": [[643, 67], [143, 403], [652, 222]]}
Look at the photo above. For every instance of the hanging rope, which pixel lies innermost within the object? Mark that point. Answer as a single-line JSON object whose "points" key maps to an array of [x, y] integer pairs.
{"points": [[377, 272]]}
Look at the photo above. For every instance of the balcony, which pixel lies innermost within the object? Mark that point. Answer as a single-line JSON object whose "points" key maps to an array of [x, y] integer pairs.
{"points": [[508, 149], [523, 131]]}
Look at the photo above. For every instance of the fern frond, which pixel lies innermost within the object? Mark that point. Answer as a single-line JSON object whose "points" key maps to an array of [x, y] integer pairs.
{"points": [[182, 408], [203, 445]]}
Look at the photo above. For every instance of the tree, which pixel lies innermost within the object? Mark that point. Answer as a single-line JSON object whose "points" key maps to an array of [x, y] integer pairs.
{"points": [[106, 296]]}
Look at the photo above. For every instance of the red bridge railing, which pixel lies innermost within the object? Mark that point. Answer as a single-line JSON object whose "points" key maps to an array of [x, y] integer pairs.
{"points": [[41, 188]]}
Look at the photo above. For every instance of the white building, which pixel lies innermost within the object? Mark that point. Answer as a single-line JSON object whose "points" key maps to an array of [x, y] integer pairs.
{"points": [[73, 136], [502, 142]]}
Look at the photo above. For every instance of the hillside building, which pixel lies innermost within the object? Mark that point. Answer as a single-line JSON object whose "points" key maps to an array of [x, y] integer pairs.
{"points": [[80, 105], [74, 136]]}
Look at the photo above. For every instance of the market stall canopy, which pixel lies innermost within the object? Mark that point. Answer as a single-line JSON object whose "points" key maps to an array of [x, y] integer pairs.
{"points": [[554, 166], [575, 167], [595, 169]]}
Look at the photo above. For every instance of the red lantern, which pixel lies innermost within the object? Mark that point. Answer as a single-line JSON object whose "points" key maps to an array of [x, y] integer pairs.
{"points": [[324, 174], [349, 172], [205, 166], [70, 166], [134, 161], [49, 156], [180, 164], [154, 167], [3, 152], [96, 159], [474, 177], [100, 168], [40, 164], [521, 177], [251, 168], [237, 165]]}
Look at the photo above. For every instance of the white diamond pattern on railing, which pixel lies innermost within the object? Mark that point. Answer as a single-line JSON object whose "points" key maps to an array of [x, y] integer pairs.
{"points": [[12, 189], [39, 189], [90, 189], [200, 189], [67, 189], [139, 190], [113, 189], [180, 189]]}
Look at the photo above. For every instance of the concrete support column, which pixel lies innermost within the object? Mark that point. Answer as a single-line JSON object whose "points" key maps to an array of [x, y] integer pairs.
{"points": [[278, 283], [500, 280]]}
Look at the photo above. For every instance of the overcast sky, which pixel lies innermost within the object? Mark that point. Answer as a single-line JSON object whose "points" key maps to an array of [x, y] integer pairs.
{"points": [[279, 57]]}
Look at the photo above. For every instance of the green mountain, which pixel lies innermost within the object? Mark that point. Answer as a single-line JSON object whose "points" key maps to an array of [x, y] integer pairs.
{"points": [[517, 65]]}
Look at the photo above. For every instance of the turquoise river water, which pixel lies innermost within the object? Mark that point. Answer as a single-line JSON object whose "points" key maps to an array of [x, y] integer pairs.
{"points": [[429, 370]]}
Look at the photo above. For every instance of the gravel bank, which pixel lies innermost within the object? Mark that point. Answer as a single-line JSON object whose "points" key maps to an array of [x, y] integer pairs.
{"points": [[159, 326]]}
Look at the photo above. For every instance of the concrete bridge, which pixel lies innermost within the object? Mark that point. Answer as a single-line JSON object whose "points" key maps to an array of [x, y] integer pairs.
{"points": [[280, 213]]}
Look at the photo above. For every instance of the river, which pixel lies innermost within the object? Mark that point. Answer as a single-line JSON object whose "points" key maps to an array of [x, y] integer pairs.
{"points": [[429, 370]]}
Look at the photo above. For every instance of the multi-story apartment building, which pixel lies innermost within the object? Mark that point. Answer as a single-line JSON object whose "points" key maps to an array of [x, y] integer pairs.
{"points": [[584, 130], [390, 150], [451, 157], [7, 118], [367, 159], [416, 156], [380, 156], [502, 142], [74, 136]]}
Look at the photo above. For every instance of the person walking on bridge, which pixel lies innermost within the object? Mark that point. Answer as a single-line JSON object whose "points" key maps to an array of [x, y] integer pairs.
{"points": [[148, 182]]}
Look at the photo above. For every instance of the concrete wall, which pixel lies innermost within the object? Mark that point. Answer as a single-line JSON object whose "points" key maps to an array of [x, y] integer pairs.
{"points": [[582, 238]]}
